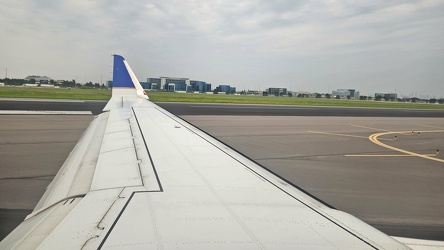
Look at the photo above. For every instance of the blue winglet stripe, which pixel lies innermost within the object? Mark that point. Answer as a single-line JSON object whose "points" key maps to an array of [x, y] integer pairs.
{"points": [[121, 77]]}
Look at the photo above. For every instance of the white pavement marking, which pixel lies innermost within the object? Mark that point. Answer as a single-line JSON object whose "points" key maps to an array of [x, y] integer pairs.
{"points": [[37, 112]]}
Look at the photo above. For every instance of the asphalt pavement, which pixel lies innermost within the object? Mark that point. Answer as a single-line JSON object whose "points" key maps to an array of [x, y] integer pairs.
{"points": [[222, 109], [325, 151], [95, 107], [287, 110]]}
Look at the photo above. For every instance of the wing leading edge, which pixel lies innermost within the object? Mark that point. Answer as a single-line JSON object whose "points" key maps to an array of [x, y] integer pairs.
{"points": [[141, 177]]}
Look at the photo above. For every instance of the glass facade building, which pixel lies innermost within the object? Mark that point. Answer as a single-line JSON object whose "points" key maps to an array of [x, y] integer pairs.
{"points": [[200, 86], [177, 84], [278, 91], [387, 96], [345, 93], [226, 89]]}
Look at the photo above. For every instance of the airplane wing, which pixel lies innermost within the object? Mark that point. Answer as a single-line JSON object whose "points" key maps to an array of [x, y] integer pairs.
{"points": [[141, 178]]}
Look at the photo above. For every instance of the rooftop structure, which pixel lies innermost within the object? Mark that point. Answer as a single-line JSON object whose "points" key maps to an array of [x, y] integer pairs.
{"points": [[38, 78]]}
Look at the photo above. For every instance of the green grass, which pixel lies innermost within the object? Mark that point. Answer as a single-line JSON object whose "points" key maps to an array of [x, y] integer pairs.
{"points": [[96, 94], [222, 98], [54, 93]]}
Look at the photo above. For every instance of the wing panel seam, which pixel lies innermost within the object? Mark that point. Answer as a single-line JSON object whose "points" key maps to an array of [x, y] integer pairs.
{"points": [[148, 151], [121, 213]]}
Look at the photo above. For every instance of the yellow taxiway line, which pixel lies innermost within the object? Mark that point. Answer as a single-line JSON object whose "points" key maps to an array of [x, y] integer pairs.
{"points": [[374, 138]]}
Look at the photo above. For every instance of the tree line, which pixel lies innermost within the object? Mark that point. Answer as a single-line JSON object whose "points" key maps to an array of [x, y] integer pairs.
{"points": [[63, 84]]}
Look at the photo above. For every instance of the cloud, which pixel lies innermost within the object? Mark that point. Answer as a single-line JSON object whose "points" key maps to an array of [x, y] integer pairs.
{"points": [[312, 45]]}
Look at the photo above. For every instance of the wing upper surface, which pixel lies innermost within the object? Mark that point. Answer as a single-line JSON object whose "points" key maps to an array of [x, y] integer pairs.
{"points": [[212, 197]]}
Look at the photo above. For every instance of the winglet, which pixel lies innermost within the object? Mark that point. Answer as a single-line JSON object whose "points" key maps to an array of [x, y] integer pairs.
{"points": [[121, 76], [124, 78], [126, 88]]}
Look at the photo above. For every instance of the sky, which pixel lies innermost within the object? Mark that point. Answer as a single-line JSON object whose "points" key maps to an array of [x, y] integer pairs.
{"points": [[316, 46]]}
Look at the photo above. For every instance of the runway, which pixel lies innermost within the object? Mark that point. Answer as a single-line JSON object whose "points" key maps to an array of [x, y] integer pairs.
{"points": [[95, 107], [287, 110], [322, 150], [221, 109]]}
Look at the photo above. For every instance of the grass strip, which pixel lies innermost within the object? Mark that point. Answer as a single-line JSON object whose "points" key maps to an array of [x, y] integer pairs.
{"points": [[102, 94], [54, 93], [273, 100]]}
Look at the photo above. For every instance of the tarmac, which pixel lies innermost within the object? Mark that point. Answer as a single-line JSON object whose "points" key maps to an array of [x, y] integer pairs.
{"points": [[382, 169]]}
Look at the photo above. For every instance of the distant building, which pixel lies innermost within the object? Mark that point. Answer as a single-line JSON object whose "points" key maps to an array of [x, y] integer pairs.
{"points": [[152, 83], [301, 94], [386, 96], [199, 86], [277, 91], [346, 93], [146, 85], [226, 89], [39, 79], [252, 92], [174, 83]]}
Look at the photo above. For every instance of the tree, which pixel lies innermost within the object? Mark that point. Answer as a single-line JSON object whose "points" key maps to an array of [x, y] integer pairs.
{"points": [[215, 92], [265, 93], [378, 98], [318, 96], [328, 96], [433, 100], [348, 97], [12, 81], [338, 97]]}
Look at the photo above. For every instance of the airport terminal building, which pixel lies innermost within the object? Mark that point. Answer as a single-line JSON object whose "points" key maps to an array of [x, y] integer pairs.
{"points": [[226, 89], [276, 91], [346, 93], [387, 96], [39, 79], [176, 84]]}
